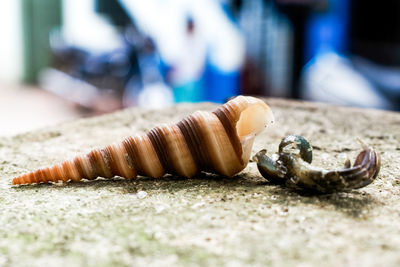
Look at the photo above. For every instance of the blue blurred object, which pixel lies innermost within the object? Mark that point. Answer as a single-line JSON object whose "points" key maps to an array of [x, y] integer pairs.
{"points": [[191, 91], [221, 85], [333, 76], [327, 30]]}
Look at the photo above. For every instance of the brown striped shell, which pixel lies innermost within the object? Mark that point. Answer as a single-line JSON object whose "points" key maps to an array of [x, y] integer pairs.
{"points": [[217, 142]]}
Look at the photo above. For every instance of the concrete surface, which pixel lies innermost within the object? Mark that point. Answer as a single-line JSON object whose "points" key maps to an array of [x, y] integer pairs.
{"points": [[208, 220]]}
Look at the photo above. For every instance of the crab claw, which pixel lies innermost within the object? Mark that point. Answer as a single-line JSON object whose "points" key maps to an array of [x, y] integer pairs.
{"points": [[304, 176], [295, 158], [269, 168], [364, 171]]}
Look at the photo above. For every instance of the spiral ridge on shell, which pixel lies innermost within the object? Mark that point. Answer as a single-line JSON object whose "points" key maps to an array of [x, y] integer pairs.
{"points": [[203, 141]]}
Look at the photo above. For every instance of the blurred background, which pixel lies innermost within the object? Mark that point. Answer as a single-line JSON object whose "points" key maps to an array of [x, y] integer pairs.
{"points": [[64, 59]]}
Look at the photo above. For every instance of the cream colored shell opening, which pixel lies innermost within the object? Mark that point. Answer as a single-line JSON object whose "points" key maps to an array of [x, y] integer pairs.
{"points": [[252, 122]]}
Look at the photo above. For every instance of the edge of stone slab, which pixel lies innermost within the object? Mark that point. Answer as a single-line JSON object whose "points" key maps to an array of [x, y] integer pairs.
{"points": [[142, 110], [273, 101], [313, 105]]}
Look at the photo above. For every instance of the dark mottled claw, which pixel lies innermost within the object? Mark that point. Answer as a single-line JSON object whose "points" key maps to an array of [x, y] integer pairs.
{"points": [[292, 167], [269, 167], [296, 144]]}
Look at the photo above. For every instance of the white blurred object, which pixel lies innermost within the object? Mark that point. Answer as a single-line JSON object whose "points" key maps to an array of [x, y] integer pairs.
{"points": [[331, 78], [68, 87], [11, 50], [165, 21], [85, 29], [78, 91], [226, 43], [386, 77], [155, 96], [189, 66]]}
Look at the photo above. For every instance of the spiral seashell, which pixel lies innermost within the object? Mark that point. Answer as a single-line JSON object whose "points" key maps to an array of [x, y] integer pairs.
{"points": [[217, 142]]}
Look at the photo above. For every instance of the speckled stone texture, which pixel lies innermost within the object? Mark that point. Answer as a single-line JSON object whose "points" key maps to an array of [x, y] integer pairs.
{"points": [[207, 220]]}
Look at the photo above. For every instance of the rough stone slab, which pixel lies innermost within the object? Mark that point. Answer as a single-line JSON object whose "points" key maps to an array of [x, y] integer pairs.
{"points": [[208, 220]]}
